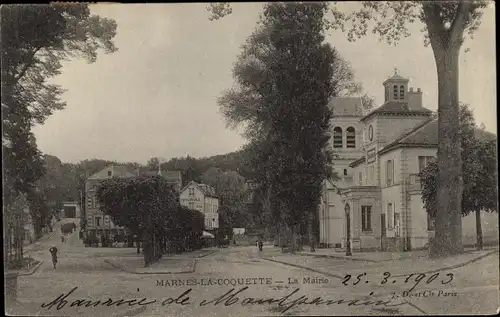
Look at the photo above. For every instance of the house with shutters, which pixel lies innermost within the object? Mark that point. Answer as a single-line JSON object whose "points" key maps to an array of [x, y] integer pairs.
{"points": [[202, 197], [379, 156]]}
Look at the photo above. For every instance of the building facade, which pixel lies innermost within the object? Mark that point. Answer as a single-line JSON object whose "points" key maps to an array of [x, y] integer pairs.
{"points": [[379, 157], [97, 223], [202, 197]]}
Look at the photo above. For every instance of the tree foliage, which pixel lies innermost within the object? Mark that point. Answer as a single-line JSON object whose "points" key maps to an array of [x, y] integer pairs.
{"points": [[479, 171], [230, 189], [148, 207], [284, 82], [35, 39]]}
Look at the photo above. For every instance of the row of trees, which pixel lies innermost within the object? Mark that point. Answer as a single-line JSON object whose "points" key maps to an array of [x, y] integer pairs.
{"points": [[35, 39], [445, 25], [148, 207]]}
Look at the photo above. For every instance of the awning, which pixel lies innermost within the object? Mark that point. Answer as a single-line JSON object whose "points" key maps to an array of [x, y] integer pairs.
{"points": [[208, 235]]}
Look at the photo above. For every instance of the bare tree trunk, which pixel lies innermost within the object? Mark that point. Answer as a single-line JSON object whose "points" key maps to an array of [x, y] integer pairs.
{"points": [[448, 237], [479, 230], [138, 244], [311, 233]]}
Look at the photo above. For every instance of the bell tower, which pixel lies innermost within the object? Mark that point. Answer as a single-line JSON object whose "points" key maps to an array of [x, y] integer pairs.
{"points": [[396, 88]]}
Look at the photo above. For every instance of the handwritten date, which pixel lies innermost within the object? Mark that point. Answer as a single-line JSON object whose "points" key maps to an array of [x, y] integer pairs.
{"points": [[414, 278]]}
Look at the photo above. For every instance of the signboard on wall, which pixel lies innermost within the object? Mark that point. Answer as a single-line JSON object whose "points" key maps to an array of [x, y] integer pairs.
{"points": [[370, 156]]}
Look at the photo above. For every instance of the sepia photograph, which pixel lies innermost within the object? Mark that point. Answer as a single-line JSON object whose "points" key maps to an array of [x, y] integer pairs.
{"points": [[250, 159]]}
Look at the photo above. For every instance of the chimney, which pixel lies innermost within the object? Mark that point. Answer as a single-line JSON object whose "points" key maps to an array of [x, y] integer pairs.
{"points": [[414, 99]]}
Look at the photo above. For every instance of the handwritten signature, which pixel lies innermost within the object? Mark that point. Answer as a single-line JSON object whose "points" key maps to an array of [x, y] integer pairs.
{"points": [[231, 297]]}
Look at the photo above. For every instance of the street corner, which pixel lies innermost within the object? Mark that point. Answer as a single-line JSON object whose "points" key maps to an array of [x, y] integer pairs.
{"points": [[169, 266], [29, 271], [116, 264], [207, 253]]}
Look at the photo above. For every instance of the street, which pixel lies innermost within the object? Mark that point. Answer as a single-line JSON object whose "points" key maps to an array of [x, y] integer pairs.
{"points": [[262, 284]]}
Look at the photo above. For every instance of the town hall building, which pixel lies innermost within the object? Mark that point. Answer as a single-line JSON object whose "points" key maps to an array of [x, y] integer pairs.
{"points": [[379, 157]]}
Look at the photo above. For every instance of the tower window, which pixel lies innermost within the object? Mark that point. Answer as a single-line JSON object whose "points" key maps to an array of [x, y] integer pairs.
{"points": [[345, 172], [337, 137], [395, 91], [401, 92], [351, 137]]}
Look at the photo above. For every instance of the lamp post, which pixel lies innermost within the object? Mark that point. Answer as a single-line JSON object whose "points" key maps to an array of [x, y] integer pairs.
{"points": [[348, 224]]}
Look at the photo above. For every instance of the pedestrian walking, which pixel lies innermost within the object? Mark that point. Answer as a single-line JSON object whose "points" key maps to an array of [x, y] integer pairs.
{"points": [[53, 252], [261, 244], [62, 238]]}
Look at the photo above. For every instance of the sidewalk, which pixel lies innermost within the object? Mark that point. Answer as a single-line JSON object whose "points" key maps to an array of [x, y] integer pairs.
{"points": [[174, 264], [378, 256], [373, 257], [338, 266]]}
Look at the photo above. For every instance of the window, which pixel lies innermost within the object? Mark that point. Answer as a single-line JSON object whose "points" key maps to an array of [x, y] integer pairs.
{"points": [[191, 205], [366, 217], [423, 161], [395, 91], [390, 172], [390, 218], [191, 191], [360, 178], [337, 137], [97, 221], [350, 137], [110, 173], [401, 92], [345, 172]]}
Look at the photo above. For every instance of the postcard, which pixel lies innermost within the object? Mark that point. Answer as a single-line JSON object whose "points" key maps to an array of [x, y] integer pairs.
{"points": [[250, 159]]}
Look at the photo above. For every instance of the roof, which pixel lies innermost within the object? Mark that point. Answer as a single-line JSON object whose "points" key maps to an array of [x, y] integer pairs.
{"points": [[171, 176], [207, 190], [395, 77], [397, 108], [116, 170], [424, 134], [346, 106]]}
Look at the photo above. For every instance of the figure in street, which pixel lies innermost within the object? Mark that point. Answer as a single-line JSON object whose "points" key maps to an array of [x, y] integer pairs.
{"points": [[261, 244], [53, 252]]}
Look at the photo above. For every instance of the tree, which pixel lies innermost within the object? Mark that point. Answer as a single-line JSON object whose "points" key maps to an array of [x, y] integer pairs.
{"points": [[35, 39], [479, 174], [147, 206], [153, 163], [229, 187], [285, 81], [445, 25]]}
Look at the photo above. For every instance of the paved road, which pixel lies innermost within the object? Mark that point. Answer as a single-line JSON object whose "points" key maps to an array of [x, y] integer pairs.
{"points": [[85, 269]]}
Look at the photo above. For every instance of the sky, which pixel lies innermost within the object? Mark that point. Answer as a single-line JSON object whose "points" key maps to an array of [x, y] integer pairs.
{"points": [[157, 96]]}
